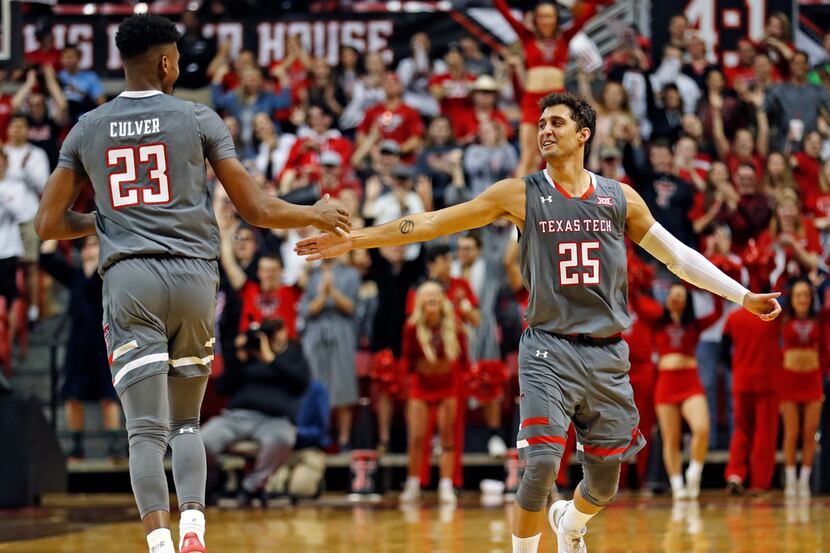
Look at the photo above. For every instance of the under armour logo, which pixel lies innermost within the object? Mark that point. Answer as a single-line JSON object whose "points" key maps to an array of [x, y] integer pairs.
{"points": [[187, 430], [540, 353], [546, 199]]}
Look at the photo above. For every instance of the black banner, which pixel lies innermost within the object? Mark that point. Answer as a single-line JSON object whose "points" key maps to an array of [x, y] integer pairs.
{"points": [[321, 35]]}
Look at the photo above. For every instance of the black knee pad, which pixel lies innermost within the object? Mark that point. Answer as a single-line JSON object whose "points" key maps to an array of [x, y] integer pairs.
{"points": [[600, 484], [537, 481]]}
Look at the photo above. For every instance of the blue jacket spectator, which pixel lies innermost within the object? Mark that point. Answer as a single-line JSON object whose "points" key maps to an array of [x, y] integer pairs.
{"points": [[247, 100]]}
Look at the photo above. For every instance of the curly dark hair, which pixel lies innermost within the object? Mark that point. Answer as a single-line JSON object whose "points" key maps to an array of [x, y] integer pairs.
{"points": [[581, 111], [138, 33]]}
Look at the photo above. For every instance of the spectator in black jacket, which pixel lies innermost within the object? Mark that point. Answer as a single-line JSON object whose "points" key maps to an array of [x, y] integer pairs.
{"points": [[669, 197], [265, 387], [86, 371]]}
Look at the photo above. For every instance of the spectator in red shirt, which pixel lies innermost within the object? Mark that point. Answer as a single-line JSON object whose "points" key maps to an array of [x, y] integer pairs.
{"points": [[434, 353], [46, 53], [753, 211], [484, 97], [794, 240], [645, 312], [453, 89], [744, 72], [266, 299], [821, 209], [751, 348], [778, 176], [270, 298], [717, 200], [303, 163], [393, 120], [801, 383], [806, 166]]}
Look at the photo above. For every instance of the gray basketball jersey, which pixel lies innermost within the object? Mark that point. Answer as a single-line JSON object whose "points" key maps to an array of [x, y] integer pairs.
{"points": [[145, 155], [573, 257]]}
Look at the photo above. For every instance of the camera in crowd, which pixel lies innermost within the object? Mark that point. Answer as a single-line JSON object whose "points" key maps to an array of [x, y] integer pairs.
{"points": [[267, 328]]}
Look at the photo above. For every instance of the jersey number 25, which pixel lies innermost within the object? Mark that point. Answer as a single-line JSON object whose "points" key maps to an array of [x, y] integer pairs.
{"points": [[127, 160], [576, 266]]}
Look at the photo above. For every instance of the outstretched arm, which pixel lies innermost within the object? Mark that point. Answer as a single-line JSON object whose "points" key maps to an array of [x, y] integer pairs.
{"points": [[523, 32], [261, 210], [689, 264], [505, 199]]}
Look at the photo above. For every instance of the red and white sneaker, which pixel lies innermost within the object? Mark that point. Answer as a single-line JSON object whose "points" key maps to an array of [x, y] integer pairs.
{"points": [[191, 544]]}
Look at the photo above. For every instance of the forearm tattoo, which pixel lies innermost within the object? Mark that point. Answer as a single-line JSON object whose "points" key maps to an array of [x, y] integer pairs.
{"points": [[407, 226]]}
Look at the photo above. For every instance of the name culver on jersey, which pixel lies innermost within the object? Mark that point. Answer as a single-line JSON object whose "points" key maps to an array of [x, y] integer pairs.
{"points": [[134, 128]]}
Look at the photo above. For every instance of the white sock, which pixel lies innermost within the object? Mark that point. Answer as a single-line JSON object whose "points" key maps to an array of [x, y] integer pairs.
{"points": [[160, 541], [676, 482], [445, 484], [695, 469], [805, 474], [192, 520], [574, 520], [789, 473], [413, 483], [526, 545]]}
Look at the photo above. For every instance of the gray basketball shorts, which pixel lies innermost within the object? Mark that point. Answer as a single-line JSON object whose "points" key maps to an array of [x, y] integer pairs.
{"points": [[159, 317], [562, 382]]}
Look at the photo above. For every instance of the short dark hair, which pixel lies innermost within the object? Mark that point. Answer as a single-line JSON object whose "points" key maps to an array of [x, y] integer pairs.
{"points": [[436, 251], [581, 111], [139, 33], [17, 115], [660, 143], [73, 47], [802, 53], [272, 257]]}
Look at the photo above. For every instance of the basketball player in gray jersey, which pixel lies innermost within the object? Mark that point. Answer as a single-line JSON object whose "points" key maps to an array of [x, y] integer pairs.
{"points": [[145, 153], [573, 365]]}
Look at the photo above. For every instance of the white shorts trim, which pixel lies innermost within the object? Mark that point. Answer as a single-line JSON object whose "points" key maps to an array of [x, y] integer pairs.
{"points": [[121, 350], [185, 361], [140, 362], [521, 443]]}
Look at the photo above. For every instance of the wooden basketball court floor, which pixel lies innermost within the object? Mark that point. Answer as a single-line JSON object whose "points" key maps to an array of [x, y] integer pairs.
{"points": [[717, 523]]}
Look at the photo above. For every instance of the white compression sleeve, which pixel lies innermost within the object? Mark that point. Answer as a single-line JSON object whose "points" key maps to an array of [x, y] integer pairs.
{"points": [[690, 265]]}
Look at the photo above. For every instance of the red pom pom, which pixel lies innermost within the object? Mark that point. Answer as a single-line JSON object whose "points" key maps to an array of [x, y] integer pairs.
{"points": [[485, 380], [387, 373]]}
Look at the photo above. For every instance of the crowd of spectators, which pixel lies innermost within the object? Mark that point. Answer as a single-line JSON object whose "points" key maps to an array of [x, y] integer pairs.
{"points": [[734, 161]]}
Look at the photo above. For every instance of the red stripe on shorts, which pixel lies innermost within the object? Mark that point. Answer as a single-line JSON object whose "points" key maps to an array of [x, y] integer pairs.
{"points": [[534, 421], [535, 440]]}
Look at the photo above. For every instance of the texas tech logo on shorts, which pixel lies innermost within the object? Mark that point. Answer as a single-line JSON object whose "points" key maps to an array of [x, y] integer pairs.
{"points": [[604, 200], [107, 335]]}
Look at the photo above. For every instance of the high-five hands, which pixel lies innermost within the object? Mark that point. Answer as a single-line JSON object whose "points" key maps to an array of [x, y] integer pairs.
{"points": [[324, 246], [330, 217]]}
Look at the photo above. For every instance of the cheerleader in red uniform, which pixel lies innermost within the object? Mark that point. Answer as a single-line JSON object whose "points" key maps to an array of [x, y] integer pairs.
{"points": [[545, 57], [800, 384], [434, 353], [645, 312], [679, 392]]}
